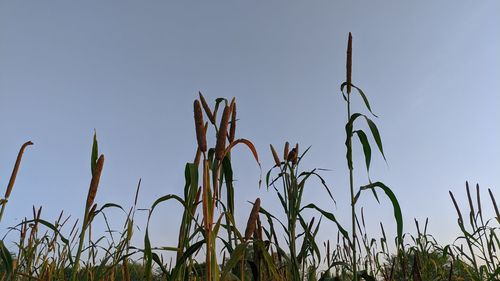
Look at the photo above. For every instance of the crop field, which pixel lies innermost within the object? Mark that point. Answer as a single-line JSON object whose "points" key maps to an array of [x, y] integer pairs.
{"points": [[271, 246]]}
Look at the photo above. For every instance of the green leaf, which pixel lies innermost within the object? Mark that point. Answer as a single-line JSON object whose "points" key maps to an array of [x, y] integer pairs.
{"points": [[185, 256], [366, 276], [110, 205], [95, 152], [376, 136], [268, 260], [156, 258], [227, 170], [395, 204], [49, 225], [148, 257], [166, 198], [6, 258], [366, 148], [331, 217], [363, 96], [361, 93], [348, 142], [236, 256], [191, 178]]}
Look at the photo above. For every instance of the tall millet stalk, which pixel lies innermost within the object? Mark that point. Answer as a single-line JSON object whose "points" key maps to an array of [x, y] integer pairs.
{"points": [[349, 156]]}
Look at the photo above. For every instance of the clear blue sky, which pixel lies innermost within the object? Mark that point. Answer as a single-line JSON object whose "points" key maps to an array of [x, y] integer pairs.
{"points": [[131, 69]]}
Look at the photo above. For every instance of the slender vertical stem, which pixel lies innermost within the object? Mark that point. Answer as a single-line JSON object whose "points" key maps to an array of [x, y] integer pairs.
{"points": [[3, 209], [351, 186], [207, 218], [76, 267]]}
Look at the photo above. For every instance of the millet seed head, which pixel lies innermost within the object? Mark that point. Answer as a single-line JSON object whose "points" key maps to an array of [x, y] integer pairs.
{"points": [[94, 183], [199, 126], [221, 136], [349, 64], [275, 156], [252, 219]]}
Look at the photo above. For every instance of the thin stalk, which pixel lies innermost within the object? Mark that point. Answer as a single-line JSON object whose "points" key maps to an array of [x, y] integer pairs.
{"points": [[207, 219], [349, 153], [351, 186], [94, 184], [80, 247]]}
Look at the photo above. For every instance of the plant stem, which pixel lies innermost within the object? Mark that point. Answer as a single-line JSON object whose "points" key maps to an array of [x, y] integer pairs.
{"points": [[351, 186], [3, 208], [80, 247]]}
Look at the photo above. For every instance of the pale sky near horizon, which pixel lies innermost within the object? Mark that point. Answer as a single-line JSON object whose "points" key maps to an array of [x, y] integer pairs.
{"points": [[131, 70]]}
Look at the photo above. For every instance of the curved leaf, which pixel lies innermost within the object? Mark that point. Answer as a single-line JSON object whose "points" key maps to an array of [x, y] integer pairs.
{"points": [[376, 136], [366, 148], [331, 217], [361, 93], [395, 204]]}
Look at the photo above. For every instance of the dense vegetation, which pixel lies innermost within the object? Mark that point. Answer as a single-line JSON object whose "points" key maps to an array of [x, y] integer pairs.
{"points": [[211, 247]]}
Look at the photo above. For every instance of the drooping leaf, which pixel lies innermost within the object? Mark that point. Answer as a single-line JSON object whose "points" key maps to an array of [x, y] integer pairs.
{"points": [[166, 198], [331, 217], [365, 99], [361, 93], [248, 143], [395, 204], [376, 135], [366, 148], [348, 142], [49, 225]]}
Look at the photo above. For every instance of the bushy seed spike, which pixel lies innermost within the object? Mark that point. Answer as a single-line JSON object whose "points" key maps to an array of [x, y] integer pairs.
{"points": [[94, 183], [292, 156], [285, 150], [199, 126], [349, 64], [275, 156], [16, 168], [209, 113], [252, 219], [221, 137]]}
